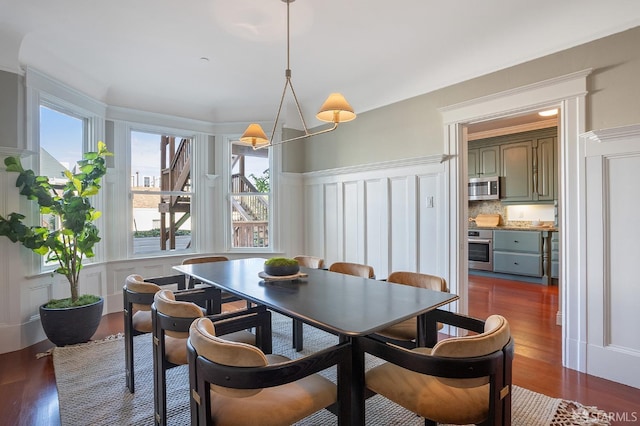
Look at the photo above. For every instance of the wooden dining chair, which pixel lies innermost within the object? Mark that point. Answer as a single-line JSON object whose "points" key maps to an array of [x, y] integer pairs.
{"points": [[171, 321], [138, 294], [312, 262], [462, 380], [225, 297], [355, 269], [405, 333], [235, 383]]}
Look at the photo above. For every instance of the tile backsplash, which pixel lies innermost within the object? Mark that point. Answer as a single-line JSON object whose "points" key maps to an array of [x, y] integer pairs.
{"points": [[521, 215]]}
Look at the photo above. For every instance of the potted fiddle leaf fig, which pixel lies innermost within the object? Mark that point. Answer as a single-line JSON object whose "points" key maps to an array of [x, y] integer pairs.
{"points": [[66, 242]]}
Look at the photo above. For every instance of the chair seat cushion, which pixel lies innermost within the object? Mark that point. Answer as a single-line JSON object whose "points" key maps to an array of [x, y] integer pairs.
{"points": [[141, 321], [405, 330], [428, 396], [285, 404], [176, 348]]}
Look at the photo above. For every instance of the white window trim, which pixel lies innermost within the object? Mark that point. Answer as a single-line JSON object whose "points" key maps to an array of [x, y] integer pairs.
{"points": [[42, 90], [195, 177], [274, 168]]}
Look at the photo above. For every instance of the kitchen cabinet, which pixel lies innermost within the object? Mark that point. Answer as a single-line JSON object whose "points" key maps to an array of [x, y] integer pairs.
{"points": [[529, 168], [545, 169], [517, 169], [517, 252], [484, 161]]}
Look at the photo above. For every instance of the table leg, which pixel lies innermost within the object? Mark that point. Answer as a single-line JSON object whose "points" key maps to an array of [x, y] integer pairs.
{"points": [[427, 331], [357, 383], [345, 373]]}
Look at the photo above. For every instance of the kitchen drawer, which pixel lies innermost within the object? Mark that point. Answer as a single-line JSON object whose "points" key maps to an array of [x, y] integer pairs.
{"points": [[518, 241], [517, 263]]}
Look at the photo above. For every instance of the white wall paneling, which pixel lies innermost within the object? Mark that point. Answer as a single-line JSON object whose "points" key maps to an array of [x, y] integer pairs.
{"points": [[372, 215], [313, 221], [611, 171], [377, 226], [332, 218], [403, 224], [288, 214], [430, 200], [353, 222]]}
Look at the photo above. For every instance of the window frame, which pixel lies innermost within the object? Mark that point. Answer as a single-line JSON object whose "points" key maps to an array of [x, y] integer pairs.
{"points": [[44, 91], [176, 133], [228, 195]]}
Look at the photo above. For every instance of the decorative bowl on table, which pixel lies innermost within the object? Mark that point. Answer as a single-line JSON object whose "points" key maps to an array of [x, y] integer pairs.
{"points": [[281, 266]]}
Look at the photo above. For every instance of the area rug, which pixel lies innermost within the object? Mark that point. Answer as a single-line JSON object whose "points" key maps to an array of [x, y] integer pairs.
{"points": [[92, 391]]}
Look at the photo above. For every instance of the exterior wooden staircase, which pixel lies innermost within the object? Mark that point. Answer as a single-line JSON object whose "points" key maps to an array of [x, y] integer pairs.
{"points": [[175, 176]]}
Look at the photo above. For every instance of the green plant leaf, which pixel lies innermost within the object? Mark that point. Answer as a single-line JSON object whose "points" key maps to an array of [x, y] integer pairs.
{"points": [[13, 164], [77, 236], [90, 190]]}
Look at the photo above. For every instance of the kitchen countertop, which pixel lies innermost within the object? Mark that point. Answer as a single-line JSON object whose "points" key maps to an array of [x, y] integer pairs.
{"points": [[515, 228]]}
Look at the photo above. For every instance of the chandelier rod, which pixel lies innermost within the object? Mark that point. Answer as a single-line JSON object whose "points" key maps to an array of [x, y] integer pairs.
{"points": [[287, 75], [334, 110]]}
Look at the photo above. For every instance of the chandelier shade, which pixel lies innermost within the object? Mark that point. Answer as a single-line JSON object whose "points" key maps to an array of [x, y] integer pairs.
{"points": [[254, 135], [335, 110]]}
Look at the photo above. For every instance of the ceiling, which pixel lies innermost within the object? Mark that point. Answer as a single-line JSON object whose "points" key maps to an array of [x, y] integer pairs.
{"points": [[224, 60]]}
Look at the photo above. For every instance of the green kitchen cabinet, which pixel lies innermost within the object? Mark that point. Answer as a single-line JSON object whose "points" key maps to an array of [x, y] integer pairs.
{"points": [[517, 252], [517, 169], [484, 161], [545, 169], [530, 169]]}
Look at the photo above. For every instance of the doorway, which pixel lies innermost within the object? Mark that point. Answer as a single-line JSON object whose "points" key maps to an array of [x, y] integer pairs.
{"points": [[567, 93], [518, 156]]}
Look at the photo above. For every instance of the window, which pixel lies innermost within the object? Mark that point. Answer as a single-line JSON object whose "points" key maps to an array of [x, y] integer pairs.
{"points": [[62, 138], [250, 194], [161, 192]]}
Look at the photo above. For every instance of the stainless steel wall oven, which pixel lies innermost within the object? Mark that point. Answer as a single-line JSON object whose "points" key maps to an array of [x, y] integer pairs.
{"points": [[481, 249]]}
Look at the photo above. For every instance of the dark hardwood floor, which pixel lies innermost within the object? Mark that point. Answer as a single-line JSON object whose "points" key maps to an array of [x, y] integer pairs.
{"points": [[28, 394]]}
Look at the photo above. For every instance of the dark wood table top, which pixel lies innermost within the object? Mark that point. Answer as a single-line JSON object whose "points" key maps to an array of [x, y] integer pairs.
{"points": [[337, 303]]}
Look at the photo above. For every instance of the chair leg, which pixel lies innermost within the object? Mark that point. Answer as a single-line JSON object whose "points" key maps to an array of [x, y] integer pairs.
{"points": [[128, 353], [297, 335]]}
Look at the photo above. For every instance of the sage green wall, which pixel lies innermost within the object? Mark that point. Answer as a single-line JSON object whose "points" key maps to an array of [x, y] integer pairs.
{"points": [[413, 128], [11, 102]]}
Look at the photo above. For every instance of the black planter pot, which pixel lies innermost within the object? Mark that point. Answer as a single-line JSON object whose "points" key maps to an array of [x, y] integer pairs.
{"points": [[283, 270], [69, 326]]}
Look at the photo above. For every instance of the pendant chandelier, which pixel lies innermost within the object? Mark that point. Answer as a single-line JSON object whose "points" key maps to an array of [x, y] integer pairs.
{"points": [[334, 110]]}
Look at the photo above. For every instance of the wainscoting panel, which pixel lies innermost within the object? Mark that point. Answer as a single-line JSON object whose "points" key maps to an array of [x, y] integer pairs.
{"points": [[379, 216], [332, 219], [612, 170], [402, 239], [377, 224], [353, 223], [431, 257], [313, 221]]}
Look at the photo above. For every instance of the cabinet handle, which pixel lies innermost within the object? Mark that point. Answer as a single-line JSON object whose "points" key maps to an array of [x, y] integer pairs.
{"points": [[515, 263], [516, 241]]}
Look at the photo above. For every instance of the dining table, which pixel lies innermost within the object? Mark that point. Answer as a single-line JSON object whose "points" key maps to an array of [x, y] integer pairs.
{"points": [[350, 307]]}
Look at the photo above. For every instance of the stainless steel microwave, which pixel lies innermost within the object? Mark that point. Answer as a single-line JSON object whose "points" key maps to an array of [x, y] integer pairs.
{"points": [[484, 188]]}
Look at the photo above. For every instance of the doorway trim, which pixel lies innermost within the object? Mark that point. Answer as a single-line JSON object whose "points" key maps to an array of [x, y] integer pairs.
{"points": [[568, 94]]}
